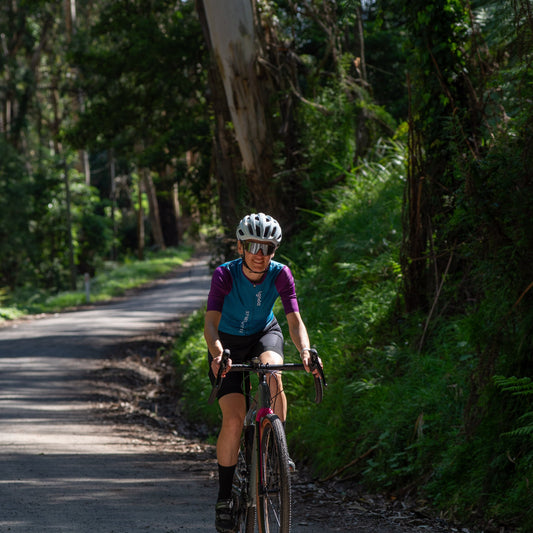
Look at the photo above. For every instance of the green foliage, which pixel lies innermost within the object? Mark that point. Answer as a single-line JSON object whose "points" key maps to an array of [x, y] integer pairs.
{"points": [[517, 386], [488, 475], [334, 143], [33, 238], [521, 387], [14, 214], [355, 251], [469, 164], [344, 124], [139, 66]]}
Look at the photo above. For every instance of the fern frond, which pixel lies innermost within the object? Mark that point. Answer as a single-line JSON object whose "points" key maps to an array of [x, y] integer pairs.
{"points": [[514, 385], [525, 431]]}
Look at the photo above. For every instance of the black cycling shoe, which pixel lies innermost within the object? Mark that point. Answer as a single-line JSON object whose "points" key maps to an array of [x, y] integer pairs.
{"points": [[224, 516]]}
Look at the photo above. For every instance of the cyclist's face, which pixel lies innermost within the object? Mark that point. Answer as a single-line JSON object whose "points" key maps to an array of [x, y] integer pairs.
{"points": [[258, 260]]}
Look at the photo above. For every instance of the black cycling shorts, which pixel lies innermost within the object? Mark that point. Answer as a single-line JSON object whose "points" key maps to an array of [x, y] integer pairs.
{"points": [[243, 349]]}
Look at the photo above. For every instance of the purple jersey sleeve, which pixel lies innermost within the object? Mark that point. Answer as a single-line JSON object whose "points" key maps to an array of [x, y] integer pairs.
{"points": [[221, 284], [287, 290]]}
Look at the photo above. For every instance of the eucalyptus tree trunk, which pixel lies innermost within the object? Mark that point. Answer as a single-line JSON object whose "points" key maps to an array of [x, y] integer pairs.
{"points": [[140, 222], [155, 219], [230, 31], [69, 9], [147, 184], [226, 161]]}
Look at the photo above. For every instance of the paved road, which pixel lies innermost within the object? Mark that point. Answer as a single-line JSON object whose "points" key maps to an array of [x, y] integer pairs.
{"points": [[61, 471]]}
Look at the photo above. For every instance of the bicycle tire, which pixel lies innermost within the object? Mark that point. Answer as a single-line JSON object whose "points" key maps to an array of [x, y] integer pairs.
{"points": [[246, 508], [274, 484]]}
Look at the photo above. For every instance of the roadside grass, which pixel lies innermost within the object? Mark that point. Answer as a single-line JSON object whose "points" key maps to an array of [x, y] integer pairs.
{"points": [[113, 280]]}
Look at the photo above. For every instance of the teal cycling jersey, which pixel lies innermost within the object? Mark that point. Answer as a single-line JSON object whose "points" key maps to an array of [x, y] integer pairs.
{"points": [[246, 306]]}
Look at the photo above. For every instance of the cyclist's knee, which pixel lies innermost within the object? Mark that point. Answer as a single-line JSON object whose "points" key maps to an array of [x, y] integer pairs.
{"points": [[233, 422], [274, 382], [233, 409], [274, 378], [271, 357]]}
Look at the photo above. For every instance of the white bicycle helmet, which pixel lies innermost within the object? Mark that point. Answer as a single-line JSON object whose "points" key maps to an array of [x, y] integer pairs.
{"points": [[260, 227]]}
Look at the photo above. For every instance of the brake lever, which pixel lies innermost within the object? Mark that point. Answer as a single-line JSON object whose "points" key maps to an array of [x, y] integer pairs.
{"points": [[320, 382], [315, 365]]}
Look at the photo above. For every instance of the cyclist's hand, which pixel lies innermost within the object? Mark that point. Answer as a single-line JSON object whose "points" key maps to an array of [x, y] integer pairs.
{"points": [[215, 365], [307, 362]]}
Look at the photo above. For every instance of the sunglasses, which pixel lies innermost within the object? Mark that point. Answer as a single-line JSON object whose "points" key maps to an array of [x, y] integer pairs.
{"points": [[254, 247]]}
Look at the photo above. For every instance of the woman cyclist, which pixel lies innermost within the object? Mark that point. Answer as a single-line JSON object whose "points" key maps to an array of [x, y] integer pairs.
{"points": [[240, 317]]}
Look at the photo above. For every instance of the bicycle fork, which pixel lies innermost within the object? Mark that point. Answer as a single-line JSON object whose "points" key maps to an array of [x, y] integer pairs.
{"points": [[250, 429], [252, 424], [263, 410]]}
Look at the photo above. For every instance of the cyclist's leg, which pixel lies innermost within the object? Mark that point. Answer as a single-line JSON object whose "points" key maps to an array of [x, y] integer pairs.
{"points": [[269, 349], [232, 404], [231, 401], [279, 400], [233, 409]]}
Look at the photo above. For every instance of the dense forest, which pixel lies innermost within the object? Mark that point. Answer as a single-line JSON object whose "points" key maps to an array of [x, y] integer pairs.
{"points": [[393, 140]]}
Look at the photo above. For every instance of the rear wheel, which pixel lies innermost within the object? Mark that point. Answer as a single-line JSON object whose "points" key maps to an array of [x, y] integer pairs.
{"points": [[274, 485]]}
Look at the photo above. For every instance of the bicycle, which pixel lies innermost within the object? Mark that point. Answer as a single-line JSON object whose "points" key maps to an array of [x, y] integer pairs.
{"points": [[262, 484]]}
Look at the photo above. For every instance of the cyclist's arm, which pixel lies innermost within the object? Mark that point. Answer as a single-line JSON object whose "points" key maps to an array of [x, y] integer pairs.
{"points": [[299, 336], [212, 319], [298, 331]]}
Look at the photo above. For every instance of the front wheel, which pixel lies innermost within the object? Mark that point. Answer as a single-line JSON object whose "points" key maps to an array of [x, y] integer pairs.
{"points": [[274, 484], [241, 487], [247, 523]]}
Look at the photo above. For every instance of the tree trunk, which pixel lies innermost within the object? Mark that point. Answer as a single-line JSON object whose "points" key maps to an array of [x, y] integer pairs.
{"points": [[177, 210], [68, 208], [113, 198], [69, 8], [147, 183], [230, 32], [140, 223], [155, 220], [226, 164]]}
